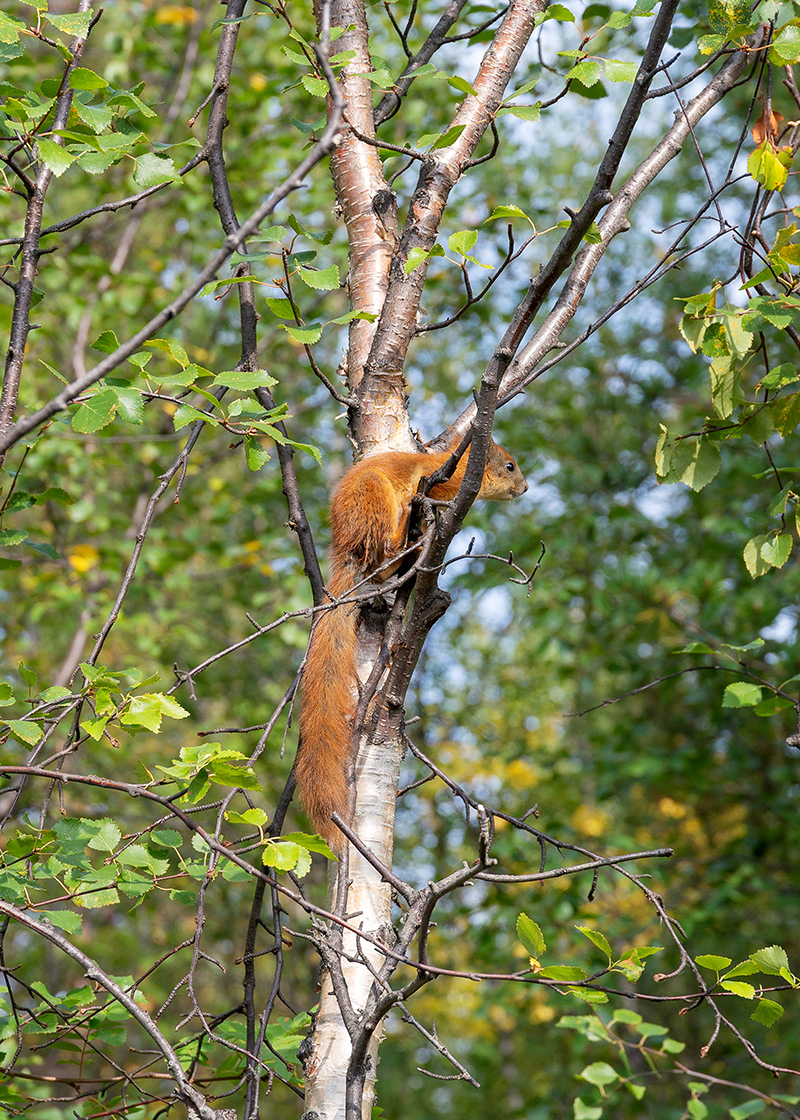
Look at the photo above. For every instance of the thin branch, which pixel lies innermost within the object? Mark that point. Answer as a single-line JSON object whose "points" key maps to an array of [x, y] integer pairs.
{"points": [[192, 1099], [232, 242]]}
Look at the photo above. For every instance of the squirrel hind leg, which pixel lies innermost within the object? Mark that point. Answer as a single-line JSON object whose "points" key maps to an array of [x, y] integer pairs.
{"points": [[367, 520]]}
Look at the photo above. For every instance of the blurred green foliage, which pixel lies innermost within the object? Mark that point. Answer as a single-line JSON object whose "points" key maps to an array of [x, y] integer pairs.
{"points": [[633, 572]]}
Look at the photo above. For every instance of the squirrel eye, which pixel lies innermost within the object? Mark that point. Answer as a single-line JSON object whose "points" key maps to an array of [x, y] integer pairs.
{"points": [[510, 466]]}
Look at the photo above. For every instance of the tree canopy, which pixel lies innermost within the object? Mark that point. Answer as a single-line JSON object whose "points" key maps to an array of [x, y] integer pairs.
{"points": [[241, 242]]}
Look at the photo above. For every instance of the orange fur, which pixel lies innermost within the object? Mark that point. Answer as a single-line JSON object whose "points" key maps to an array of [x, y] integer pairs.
{"points": [[370, 510]]}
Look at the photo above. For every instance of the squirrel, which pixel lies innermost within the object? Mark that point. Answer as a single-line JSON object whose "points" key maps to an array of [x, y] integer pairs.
{"points": [[369, 516]]}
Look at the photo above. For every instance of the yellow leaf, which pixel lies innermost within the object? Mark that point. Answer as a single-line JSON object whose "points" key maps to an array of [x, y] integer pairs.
{"points": [[175, 15], [83, 558]]}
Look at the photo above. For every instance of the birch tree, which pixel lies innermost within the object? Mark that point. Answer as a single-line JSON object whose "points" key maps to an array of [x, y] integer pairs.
{"points": [[470, 77]]}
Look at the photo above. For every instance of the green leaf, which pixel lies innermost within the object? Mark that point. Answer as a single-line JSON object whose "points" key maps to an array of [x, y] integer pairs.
{"points": [[754, 562], [350, 316], [43, 549], [76, 23], [325, 280], [777, 378], [559, 12], [587, 72], [715, 341], [747, 1108], [55, 494], [435, 140], [460, 84], [772, 705], [97, 117], [672, 1046], [281, 307], [531, 936], [226, 282], [771, 960], [10, 28], [64, 919], [756, 643], [777, 506], [129, 100], [785, 49], [463, 241], [521, 112], [106, 343], [282, 855], [307, 335], [153, 170], [148, 709], [415, 258], [57, 158], [741, 694], [227, 774], [311, 842], [81, 78], [107, 836], [593, 236], [294, 223], [255, 817], [596, 938], [786, 414], [588, 995], [696, 647], [19, 500], [256, 456], [244, 380], [709, 960], [703, 464], [97, 162], [130, 404], [309, 449], [28, 675], [696, 1109], [617, 71], [724, 378], [94, 728], [23, 730], [583, 1111], [11, 537], [599, 1073], [737, 988], [769, 166], [317, 87], [623, 1015], [508, 212], [188, 414], [776, 550], [6, 695], [562, 972], [767, 1012], [96, 413], [757, 422]]}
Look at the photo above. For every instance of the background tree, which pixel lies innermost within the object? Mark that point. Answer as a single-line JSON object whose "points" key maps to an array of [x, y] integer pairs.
{"points": [[151, 896]]}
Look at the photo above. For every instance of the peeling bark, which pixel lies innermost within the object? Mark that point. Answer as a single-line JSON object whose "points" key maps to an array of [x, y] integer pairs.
{"points": [[383, 374], [367, 203]]}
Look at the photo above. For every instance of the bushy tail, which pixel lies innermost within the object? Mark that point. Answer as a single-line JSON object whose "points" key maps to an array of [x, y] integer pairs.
{"points": [[327, 709]]}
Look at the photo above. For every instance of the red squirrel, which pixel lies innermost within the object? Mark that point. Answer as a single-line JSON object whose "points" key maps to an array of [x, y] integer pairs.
{"points": [[370, 511]]}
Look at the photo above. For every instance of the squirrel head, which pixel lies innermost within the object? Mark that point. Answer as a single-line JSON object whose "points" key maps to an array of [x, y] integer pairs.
{"points": [[502, 479]]}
